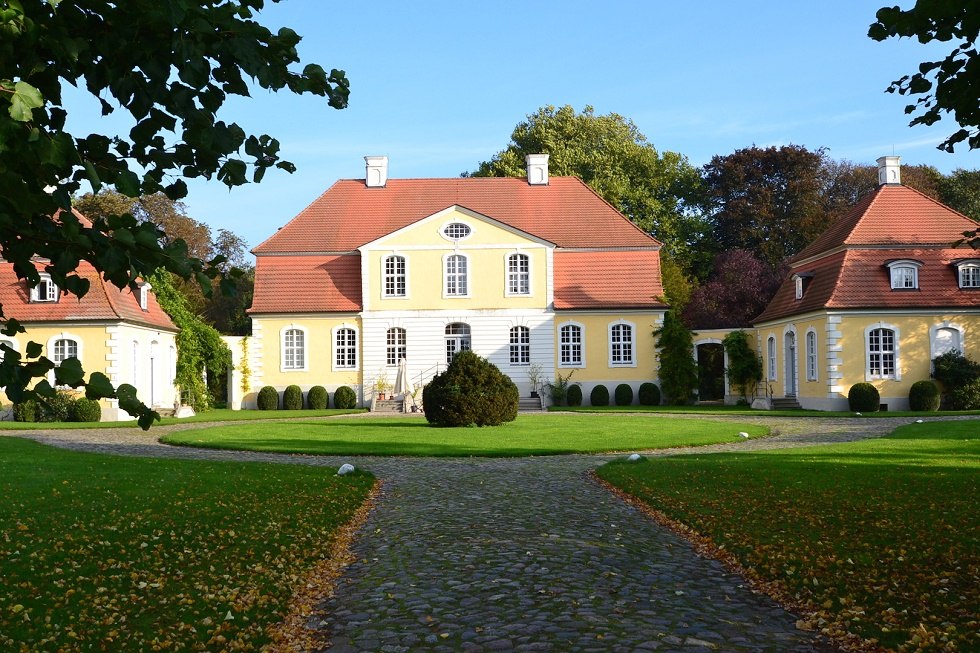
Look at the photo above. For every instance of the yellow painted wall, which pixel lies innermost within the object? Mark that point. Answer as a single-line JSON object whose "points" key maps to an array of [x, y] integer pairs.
{"points": [[319, 351], [486, 249], [805, 388], [596, 346]]}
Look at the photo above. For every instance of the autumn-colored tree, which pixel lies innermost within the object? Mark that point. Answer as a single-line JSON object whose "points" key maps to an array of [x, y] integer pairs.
{"points": [[738, 290], [610, 154]]}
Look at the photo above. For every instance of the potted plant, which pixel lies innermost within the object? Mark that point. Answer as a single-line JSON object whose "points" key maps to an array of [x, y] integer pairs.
{"points": [[413, 393], [381, 384], [534, 371]]}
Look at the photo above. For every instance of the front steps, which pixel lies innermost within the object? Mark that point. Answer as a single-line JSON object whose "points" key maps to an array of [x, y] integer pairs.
{"points": [[388, 406], [786, 403], [530, 405]]}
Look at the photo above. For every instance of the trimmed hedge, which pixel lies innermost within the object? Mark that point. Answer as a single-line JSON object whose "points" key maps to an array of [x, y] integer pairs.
{"points": [[472, 390], [573, 396], [864, 398], [344, 397], [86, 410], [624, 395], [268, 398], [649, 394], [292, 398], [599, 396], [924, 396], [317, 398]]}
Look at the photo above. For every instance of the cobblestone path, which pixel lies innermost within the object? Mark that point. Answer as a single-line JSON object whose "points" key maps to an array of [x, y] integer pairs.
{"points": [[527, 555]]}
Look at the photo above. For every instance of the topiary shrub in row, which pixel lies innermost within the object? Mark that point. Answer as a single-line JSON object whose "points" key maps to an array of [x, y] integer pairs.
{"points": [[344, 397], [574, 395], [924, 396], [86, 410], [472, 390], [599, 396], [62, 407], [317, 398], [624, 395], [292, 398], [649, 394], [268, 398], [863, 398]]}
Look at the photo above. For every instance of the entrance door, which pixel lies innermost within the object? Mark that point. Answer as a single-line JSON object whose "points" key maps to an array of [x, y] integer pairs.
{"points": [[457, 339], [711, 372], [790, 364]]}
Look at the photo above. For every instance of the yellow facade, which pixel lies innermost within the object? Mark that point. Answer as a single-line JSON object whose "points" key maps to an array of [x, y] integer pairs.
{"points": [[598, 367], [319, 368]]}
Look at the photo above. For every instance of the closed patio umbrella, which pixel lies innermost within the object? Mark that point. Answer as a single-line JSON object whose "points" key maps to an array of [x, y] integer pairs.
{"points": [[401, 380]]}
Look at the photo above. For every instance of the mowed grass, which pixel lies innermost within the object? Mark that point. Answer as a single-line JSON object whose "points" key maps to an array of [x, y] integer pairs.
{"points": [[217, 415], [545, 434], [747, 410], [877, 538], [126, 554]]}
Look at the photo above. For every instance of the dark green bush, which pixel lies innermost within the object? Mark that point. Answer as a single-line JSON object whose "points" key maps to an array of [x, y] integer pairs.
{"points": [[649, 394], [924, 395], [960, 378], [471, 391], [268, 398], [86, 410], [292, 398], [744, 365], [574, 395], [678, 371], [344, 397], [57, 408], [599, 396], [863, 398], [964, 397], [623, 395], [27, 411], [317, 398]]}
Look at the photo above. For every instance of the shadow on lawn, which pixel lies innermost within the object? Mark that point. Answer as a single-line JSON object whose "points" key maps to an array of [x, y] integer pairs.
{"points": [[369, 448]]}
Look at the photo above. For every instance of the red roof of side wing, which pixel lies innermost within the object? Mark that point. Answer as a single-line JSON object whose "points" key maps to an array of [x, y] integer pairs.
{"points": [[618, 279], [307, 284]]}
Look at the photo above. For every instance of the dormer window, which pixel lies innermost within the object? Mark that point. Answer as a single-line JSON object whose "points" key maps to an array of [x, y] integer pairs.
{"points": [[45, 291], [143, 294], [969, 273], [904, 274], [802, 280]]}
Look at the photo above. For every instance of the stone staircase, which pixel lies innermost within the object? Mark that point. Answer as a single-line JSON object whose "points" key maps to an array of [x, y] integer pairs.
{"points": [[388, 406], [785, 403], [530, 405]]}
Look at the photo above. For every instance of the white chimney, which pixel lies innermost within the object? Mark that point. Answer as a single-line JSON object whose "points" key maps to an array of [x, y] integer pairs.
{"points": [[376, 171], [889, 170], [537, 169]]}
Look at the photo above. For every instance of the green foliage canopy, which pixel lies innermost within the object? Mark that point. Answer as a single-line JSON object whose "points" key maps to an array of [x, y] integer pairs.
{"points": [[170, 66], [744, 365], [678, 371]]}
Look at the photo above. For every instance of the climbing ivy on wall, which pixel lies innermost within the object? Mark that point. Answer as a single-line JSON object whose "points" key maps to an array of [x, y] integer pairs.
{"points": [[199, 345]]}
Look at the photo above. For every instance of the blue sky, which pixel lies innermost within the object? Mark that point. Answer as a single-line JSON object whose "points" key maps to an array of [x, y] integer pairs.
{"points": [[439, 86]]}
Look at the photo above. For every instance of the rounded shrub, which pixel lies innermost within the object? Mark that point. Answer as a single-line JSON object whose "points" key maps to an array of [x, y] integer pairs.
{"points": [[863, 398], [599, 396], [624, 395], [292, 398], [924, 396], [344, 397], [964, 397], [317, 398], [86, 410], [27, 411], [472, 390], [573, 396], [649, 394], [57, 408], [268, 398]]}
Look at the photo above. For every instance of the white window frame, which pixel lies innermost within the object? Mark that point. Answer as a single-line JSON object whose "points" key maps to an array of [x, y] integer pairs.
{"points": [[519, 338], [444, 231], [904, 274], [629, 350], [144, 295], [799, 286], [812, 369], [771, 355], [395, 348], [934, 331], [46, 290], [394, 277], [51, 347], [968, 269], [464, 340], [573, 346], [302, 366], [517, 278], [459, 278], [893, 353], [345, 348]]}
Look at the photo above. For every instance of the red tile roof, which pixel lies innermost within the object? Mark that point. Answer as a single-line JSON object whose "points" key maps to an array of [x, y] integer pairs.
{"points": [[102, 302], [307, 284], [623, 279], [349, 214]]}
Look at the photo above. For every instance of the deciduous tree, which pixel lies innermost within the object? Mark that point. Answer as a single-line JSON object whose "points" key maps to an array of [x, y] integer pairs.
{"points": [[169, 66], [739, 288]]}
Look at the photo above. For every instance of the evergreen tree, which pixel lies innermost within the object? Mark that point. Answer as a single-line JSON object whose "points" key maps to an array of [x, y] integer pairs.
{"points": [[678, 371]]}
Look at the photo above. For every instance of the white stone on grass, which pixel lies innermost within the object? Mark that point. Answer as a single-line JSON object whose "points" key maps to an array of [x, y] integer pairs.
{"points": [[918, 421], [743, 434], [635, 458], [345, 469]]}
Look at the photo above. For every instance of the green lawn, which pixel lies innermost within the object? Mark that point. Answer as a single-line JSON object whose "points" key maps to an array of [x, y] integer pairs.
{"points": [[880, 538], [746, 410], [545, 434], [124, 554], [217, 415]]}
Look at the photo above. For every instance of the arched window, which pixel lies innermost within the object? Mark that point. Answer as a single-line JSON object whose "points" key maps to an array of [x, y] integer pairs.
{"points": [[395, 284], [520, 345], [771, 352], [64, 348], [457, 339], [621, 343], [882, 353], [904, 274], [345, 348], [456, 276], [293, 349], [518, 274], [397, 341], [9, 343], [811, 355], [45, 290], [969, 273], [570, 345]]}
